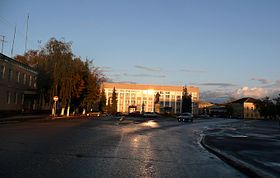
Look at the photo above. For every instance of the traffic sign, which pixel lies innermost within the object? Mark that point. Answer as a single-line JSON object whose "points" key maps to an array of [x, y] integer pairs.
{"points": [[55, 98]]}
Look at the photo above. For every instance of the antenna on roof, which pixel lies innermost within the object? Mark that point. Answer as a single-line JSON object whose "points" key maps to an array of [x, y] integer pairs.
{"points": [[12, 50], [26, 33], [3, 41]]}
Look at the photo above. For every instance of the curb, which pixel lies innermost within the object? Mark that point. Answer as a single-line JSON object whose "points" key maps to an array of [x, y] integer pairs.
{"points": [[19, 119], [242, 166]]}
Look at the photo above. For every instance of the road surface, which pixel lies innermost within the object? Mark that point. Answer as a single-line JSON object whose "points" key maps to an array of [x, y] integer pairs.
{"points": [[109, 148]]}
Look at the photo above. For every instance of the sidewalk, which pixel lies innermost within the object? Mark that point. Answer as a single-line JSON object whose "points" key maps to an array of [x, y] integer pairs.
{"points": [[21, 118], [252, 147]]}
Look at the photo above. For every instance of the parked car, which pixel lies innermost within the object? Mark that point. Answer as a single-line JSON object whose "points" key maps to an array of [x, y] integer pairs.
{"points": [[185, 117], [149, 114]]}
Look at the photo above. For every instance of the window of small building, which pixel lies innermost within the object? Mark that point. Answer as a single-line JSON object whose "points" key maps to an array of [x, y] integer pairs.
{"points": [[16, 98], [18, 76], [22, 99], [30, 80], [10, 74], [24, 79], [35, 82], [8, 97], [2, 72]]}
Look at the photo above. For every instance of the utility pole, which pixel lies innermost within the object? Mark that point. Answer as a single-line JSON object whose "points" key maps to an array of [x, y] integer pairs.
{"points": [[3, 41], [26, 33]]}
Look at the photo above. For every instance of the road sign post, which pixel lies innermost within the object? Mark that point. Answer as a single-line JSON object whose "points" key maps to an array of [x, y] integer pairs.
{"points": [[55, 99]]}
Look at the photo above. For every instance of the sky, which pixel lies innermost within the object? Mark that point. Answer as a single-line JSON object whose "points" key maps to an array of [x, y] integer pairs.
{"points": [[228, 48]]}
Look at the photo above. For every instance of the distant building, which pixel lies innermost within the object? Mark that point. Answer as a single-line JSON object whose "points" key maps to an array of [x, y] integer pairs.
{"points": [[245, 108], [203, 107], [218, 110], [17, 86], [141, 98]]}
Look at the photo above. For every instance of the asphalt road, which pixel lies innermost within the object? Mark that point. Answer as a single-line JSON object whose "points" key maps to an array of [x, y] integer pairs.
{"points": [[254, 144], [108, 148]]}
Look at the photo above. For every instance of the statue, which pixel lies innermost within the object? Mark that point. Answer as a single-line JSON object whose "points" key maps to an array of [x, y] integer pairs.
{"points": [[157, 98]]}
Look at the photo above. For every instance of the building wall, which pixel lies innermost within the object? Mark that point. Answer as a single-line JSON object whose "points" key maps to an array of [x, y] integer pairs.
{"points": [[17, 85], [250, 111], [246, 110], [139, 94], [237, 110]]}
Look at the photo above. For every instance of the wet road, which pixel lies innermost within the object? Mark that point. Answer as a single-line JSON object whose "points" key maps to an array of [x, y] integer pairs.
{"points": [[106, 148]]}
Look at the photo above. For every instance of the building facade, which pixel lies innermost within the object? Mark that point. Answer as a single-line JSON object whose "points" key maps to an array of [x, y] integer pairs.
{"points": [[17, 86], [245, 108], [141, 98]]}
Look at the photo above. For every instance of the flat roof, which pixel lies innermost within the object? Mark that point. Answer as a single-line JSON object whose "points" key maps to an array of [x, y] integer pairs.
{"points": [[148, 87]]}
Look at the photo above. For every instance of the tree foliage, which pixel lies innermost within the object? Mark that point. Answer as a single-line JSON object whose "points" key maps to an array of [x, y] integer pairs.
{"points": [[102, 101], [269, 108], [61, 73], [114, 102]]}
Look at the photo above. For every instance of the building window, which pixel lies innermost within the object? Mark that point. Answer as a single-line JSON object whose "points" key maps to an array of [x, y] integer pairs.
{"points": [[24, 79], [30, 80], [22, 99], [2, 72], [18, 76], [8, 97], [35, 82], [10, 74], [16, 98]]}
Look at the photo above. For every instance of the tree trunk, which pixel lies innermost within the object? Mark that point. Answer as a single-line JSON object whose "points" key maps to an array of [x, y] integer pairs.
{"points": [[62, 111], [68, 110]]}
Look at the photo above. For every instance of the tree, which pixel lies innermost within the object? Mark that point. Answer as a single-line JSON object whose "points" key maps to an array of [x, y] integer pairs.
{"points": [[266, 108], [74, 80], [277, 105], [102, 101], [186, 101], [114, 102]]}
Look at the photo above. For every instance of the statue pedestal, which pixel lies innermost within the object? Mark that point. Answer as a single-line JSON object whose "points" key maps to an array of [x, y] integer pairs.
{"points": [[157, 108]]}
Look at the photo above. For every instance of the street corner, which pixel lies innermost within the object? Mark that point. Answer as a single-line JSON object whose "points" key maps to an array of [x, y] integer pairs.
{"points": [[208, 142]]}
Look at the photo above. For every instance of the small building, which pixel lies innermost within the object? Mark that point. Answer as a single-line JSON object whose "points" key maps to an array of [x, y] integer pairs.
{"points": [[218, 110], [203, 107], [245, 108], [17, 86], [142, 98]]}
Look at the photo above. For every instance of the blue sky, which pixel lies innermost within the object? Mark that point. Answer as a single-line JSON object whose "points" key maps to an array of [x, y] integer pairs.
{"points": [[225, 47]]}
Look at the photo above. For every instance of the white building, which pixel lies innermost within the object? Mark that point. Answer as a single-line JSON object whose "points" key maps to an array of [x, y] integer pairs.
{"points": [[140, 97]]}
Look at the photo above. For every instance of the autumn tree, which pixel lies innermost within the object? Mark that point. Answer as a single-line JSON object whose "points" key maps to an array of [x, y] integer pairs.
{"points": [[61, 73]]}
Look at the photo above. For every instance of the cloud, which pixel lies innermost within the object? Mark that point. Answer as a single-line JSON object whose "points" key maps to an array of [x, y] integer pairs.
{"points": [[215, 96], [192, 71], [255, 92], [130, 82], [105, 69], [143, 75], [150, 69], [220, 96], [262, 80], [218, 84], [275, 85]]}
